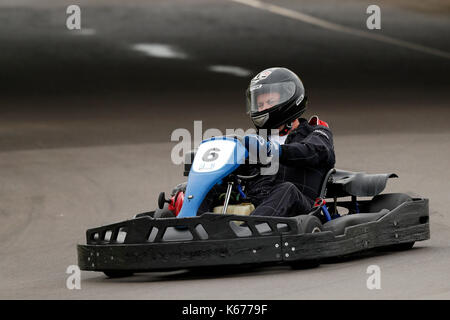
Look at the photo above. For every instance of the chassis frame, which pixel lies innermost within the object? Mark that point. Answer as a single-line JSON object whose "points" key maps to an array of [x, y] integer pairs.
{"points": [[144, 248]]}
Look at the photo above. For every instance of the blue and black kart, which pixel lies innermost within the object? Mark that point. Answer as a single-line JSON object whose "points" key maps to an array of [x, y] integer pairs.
{"points": [[174, 237]]}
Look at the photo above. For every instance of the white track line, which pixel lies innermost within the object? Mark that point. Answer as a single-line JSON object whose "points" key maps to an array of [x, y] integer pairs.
{"points": [[233, 70], [158, 50], [297, 15]]}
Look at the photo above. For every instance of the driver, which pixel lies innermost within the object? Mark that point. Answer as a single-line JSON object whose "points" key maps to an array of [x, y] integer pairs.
{"points": [[276, 100]]}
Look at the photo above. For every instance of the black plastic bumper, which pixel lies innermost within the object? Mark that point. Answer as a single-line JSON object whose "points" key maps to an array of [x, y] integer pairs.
{"points": [[284, 242]]}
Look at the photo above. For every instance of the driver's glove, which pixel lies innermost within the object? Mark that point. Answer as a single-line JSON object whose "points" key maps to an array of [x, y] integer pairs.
{"points": [[255, 143]]}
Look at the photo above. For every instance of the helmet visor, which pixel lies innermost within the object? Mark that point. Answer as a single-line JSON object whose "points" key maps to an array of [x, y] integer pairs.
{"points": [[262, 97]]}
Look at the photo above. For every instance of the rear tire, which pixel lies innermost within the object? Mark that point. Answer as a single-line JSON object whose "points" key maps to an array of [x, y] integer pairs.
{"points": [[388, 201], [398, 246], [307, 224]]}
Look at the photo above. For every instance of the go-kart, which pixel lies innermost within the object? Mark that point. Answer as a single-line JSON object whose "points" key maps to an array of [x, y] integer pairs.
{"points": [[174, 236]]}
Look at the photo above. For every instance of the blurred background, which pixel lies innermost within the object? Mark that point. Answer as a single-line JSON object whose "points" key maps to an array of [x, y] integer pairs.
{"points": [[86, 117], [137, 70]]}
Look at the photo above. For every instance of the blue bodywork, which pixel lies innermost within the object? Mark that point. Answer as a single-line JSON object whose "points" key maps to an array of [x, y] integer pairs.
{"points": [[200, 183]]}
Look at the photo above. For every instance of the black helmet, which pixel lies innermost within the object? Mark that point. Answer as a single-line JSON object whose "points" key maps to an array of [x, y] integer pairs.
{"points": [[275, 97]]}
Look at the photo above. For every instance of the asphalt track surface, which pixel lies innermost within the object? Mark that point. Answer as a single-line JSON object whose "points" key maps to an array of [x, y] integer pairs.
{"points": [[94, 147]]}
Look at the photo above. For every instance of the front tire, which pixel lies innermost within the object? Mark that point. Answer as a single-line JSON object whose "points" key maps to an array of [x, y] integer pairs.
{"points": [[307, 224], [164, 212]]}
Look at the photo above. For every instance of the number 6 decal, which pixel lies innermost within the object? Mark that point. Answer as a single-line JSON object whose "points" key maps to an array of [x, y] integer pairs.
{"points": [[211, 154]]}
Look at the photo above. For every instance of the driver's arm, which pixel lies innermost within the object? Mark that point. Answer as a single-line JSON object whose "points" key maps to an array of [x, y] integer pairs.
{"points": [[313, 151]]}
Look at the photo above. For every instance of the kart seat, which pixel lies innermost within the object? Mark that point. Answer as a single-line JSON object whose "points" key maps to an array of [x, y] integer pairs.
{"points": [[342, 183]]}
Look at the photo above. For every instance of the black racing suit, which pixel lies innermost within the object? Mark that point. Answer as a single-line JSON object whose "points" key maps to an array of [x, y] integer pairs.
{"points": [[306, 156]]}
